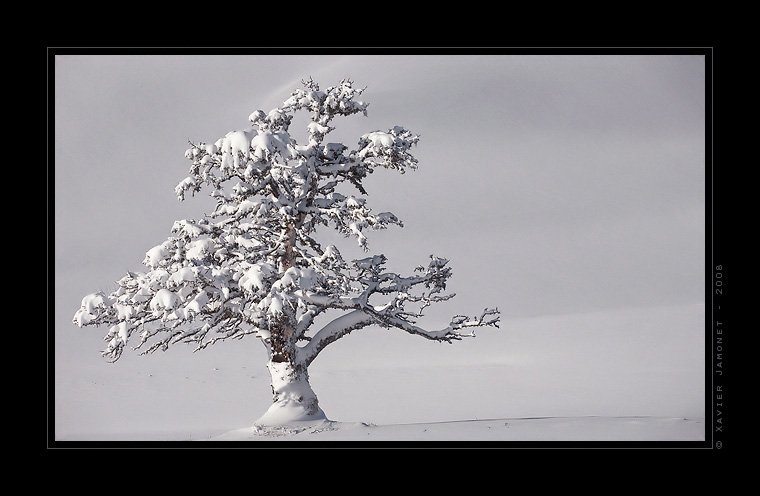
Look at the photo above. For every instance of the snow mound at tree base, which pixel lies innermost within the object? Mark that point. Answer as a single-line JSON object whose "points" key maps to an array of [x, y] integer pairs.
{"points": [[288, 413], [506, 429]]}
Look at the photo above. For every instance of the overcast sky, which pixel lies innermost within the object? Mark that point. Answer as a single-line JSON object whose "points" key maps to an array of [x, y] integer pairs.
{"points": [[556, 183], [553, 184]]}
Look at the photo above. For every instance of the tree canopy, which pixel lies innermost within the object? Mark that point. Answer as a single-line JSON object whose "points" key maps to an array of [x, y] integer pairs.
{"points": [[252, 266]]}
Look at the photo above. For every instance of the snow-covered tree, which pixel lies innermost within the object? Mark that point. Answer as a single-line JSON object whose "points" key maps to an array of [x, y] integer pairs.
{"points": [[253, 266]]}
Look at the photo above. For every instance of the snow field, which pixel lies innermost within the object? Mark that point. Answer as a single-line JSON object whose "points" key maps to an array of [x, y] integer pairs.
{"points": [[521, 382], [592, 429]]}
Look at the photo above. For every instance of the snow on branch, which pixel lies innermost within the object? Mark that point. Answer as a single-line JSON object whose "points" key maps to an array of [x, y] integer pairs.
{"points": [[489, 317], [396, 311], [389, 149], [253, 265]]}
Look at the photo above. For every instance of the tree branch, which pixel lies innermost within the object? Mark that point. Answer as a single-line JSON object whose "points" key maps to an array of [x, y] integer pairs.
{"points": [[333, 331], [448, 334]]}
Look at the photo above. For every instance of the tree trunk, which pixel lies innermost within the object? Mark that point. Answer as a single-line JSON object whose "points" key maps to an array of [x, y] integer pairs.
{"points": [[294, 400]]}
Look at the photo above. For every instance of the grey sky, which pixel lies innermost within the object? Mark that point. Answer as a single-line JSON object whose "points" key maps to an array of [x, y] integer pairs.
{"points": [[568, 183]]}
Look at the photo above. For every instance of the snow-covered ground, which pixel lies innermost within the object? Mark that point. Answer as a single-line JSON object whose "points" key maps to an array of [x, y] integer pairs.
{"points": [[622, 375], [506, 429]]}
